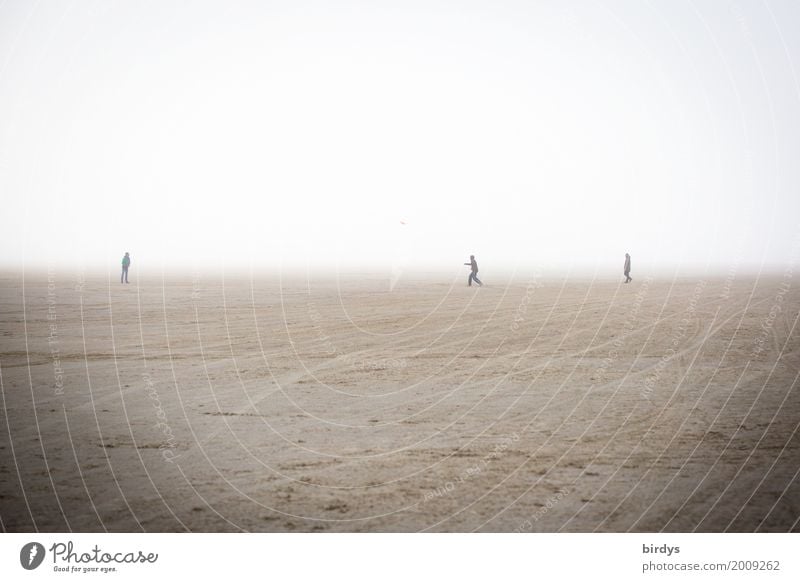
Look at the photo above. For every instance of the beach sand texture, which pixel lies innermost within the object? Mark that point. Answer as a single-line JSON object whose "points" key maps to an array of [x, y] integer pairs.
{"points": [[336, 404]]}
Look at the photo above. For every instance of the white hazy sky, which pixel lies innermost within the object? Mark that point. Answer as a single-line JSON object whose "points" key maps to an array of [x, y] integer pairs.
{"points": [[301, 133]]}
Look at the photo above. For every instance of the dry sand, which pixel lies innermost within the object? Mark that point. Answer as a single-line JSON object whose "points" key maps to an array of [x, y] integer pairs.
{"points": [[338, 405]]}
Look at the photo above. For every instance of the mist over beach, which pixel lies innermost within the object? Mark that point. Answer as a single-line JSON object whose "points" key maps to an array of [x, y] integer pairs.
{"points": [[301, 134], [420, 266]]}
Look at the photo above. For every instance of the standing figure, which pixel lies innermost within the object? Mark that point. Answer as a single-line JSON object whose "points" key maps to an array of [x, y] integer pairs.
{"points": [[473, 275], [627, 268], [126, 262]]}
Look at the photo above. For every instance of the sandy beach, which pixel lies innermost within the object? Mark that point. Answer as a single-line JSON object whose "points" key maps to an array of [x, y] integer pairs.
{"points": [[205, 403]]}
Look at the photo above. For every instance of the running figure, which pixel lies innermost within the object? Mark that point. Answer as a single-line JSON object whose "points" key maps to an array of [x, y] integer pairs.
{"points": [[126, 262], [473, 276], [627, 268]]}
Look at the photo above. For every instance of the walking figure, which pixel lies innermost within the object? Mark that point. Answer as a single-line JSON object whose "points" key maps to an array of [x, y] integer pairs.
{"points": [[473, 275], [627, 268], [126, 262]]}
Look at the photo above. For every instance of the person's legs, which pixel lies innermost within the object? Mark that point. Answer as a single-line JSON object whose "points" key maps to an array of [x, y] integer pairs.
{"points": [[122, 276], [469, 279], [125, 274], [478, 281]]}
